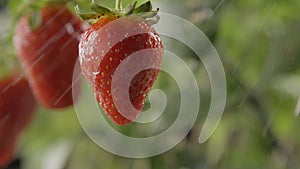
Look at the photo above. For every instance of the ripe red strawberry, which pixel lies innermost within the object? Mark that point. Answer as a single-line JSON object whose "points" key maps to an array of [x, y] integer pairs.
{"points": [[17, 106], [104, 46], [49, 53]]}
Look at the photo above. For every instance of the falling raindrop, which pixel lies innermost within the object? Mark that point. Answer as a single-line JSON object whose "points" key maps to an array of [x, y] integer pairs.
{"points": [[70, 28], [297, 110]]}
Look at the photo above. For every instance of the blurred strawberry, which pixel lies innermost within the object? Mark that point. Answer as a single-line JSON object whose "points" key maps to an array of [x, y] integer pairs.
{"points": [[48, 51], [17, 106]]}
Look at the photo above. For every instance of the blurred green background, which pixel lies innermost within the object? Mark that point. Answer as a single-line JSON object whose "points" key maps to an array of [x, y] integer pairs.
{"points": [[258, 43]]}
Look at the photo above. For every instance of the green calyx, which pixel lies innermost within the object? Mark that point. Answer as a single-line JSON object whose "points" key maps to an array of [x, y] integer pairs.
{"points": [[35, 19], [143, 11]]}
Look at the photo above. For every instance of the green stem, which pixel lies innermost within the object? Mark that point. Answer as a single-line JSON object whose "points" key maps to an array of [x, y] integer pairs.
{"points": [[118, 5]]}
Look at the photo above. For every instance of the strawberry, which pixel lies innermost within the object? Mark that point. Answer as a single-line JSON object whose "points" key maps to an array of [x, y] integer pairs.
{"points": [[17, 106], [106, 45], [48, 54]]}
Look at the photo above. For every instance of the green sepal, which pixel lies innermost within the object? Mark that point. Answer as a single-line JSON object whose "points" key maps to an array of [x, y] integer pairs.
{"points": [[130, 8], [143, 11], [100, 9], [151, 17], [37, 5], [86, 16], [153, 20], [56, 1], [146, 15], [35, 19], [146, 7], [92, 21]]}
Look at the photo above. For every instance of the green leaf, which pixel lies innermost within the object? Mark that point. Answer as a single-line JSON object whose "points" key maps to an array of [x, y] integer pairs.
{"points": [[37, 5], [86, 16], [146, 7], [35, 19], [16, 9], [146, 15], [151, 17], [13, 5], [100, 9], [156, 162], [130, 8]]}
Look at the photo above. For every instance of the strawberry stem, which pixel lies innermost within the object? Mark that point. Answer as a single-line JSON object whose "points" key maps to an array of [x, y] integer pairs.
{"points": [[118, 5]]}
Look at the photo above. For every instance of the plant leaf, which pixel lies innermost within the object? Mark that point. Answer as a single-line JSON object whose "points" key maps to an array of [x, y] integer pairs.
{"points": [[100, 9], [146, 7], [151, 17], [13, 5], [146, 15], [86, 16], [35, 19], [130, 8]]}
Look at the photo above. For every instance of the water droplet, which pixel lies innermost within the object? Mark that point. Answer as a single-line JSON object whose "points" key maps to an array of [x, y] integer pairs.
{"points": [[96, 73]]}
